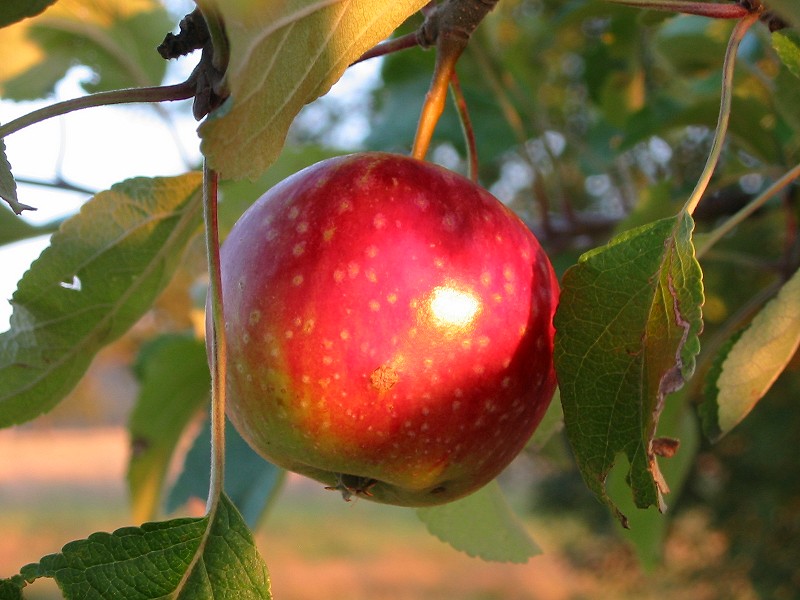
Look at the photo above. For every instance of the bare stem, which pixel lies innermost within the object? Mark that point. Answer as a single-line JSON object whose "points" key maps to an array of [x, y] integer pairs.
{"points": [[180, 91], [703, 9], [726, 97], [403, 42], [218, 348], [466, 126], [731, 223]]}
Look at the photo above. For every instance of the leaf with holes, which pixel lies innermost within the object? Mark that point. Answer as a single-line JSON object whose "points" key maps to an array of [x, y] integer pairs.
{"points": [[626, 336], [282, 56], [103, 269], [748, 366], [213, 557]]}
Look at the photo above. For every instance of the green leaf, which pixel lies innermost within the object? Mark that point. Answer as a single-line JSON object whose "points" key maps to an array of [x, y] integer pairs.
{"points": [[14, 229], [758, 355], [787, 45], [648, 529], [11, 589], [282, 56], [626, 336], [12, 11], [102, 271], [8, 187], [183, 559], [174, 385], [483, 525], [115, 38], [250, 481]]}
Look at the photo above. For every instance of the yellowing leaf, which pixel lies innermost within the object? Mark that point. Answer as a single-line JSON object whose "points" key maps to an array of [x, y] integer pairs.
{"points": [[284, 55], [759, 355], [116, 38]]}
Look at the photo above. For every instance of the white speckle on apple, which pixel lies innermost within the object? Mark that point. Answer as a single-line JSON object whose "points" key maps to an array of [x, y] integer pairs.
{"points": [[345, 206], [353, 269], [456, 405], [371, 275], [255, 317], [344, 334], [289, 334], [371, 251], [302, 227], [294, 212], [506, 382], [379, 221], [338, 276], [479, 369], [299, 248], [297, 280], [327, 360], [486, 279], [449, 222], [374, 305]]}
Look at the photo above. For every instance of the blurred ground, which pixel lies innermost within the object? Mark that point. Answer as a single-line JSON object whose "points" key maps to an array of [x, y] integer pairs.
{"points": [[59, 485]]}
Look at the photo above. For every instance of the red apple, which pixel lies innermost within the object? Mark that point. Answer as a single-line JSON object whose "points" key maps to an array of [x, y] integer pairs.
{"points": [[389, 329]]}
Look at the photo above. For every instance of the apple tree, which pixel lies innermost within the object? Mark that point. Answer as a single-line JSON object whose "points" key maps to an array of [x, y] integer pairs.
{"points": [[389, 326]]}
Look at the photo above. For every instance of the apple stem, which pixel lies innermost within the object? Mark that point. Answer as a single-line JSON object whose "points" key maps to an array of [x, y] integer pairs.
{"points": [[446, 57], [726, 98], [689, 7], [218, 346], [448, 25], [466, 127]]}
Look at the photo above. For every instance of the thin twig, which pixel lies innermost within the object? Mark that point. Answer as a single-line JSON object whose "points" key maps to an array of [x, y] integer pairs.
{"points": [[168, 93], [724, 111]]}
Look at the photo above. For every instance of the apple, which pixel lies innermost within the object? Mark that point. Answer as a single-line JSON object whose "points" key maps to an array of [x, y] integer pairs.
{"points": [[389, 328]]}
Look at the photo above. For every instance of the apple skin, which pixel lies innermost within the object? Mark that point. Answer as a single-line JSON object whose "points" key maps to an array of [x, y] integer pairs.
{"points": [[389, 328]]}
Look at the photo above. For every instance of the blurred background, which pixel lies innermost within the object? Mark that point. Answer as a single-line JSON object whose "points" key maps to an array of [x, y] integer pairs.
{"points": [[590, 119]]}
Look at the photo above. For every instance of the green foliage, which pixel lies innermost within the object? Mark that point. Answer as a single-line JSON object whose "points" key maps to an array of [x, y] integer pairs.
{"points": [[591, 119], [174, 386], [482, 525], [16, 10], [273, 72], [102, 271], [191, 559], [627, 327]]}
